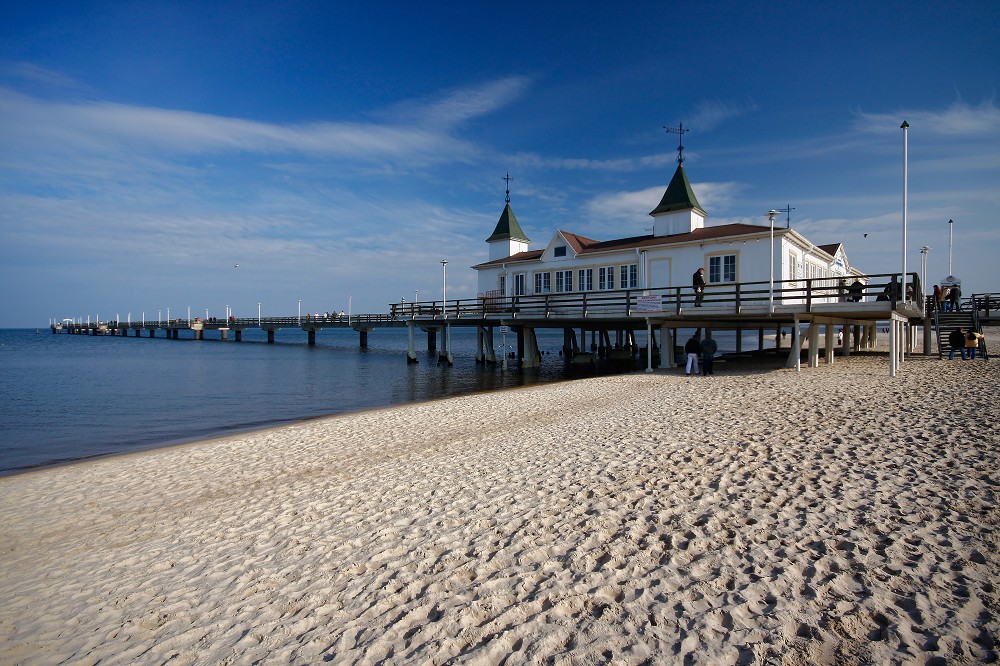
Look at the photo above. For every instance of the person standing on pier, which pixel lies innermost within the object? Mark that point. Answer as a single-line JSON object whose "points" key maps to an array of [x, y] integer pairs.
{"points": [[698, 283]]}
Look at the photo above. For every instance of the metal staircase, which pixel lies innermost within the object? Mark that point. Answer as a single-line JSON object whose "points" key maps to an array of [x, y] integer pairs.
{"points": [[946, 322]]}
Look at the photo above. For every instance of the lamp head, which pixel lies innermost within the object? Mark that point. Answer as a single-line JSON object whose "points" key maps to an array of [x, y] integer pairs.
{"points": [[905, 125]]}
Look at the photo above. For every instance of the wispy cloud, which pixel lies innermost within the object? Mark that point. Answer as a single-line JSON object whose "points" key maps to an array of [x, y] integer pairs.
{"points": [[635, 205], [959, 119], [711, 113], [31, 74], [462, 104], [428, 133]]}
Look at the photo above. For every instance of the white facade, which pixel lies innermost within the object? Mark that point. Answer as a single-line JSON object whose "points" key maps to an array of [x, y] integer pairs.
{"points": [[681, 243]]}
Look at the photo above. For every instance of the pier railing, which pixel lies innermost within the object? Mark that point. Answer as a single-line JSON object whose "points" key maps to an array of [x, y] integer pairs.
{"points": [[665, 301], [735, 297]]}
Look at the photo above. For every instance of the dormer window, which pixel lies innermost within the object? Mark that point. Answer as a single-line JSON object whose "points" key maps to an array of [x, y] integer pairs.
{"points": [[559, 251]]}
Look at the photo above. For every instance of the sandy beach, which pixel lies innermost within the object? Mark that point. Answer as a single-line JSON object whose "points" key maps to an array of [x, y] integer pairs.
{"points": [[760, 516]]}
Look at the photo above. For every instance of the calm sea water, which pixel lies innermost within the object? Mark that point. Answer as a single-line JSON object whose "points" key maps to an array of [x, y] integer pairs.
{"points": [[67, 397]]}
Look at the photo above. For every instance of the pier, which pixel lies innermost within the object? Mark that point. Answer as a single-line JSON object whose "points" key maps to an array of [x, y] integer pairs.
{"points": [[605, 323]]}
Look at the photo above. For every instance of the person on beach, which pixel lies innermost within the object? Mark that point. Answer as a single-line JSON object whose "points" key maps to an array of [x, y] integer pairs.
{"points": [[955, 296], [692, 349], [972, 339], [698, 284], [937, 297], [708, 349], [957, 341]]}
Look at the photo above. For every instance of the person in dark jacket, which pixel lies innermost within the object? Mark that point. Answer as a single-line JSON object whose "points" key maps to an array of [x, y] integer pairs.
{"points": [[698, 284], [693, 349], [955, 296], [957, 341], [708, 349]]}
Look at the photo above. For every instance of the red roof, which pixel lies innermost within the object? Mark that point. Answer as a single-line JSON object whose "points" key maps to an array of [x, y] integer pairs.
{"points": [[584, 245]]}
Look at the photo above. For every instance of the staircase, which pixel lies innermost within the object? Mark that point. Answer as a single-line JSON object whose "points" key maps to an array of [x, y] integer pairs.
{"points": [[946, 322]]}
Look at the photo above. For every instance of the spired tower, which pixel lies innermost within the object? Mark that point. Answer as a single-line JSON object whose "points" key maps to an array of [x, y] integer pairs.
{"points": [[679, 211], [508, 238]]}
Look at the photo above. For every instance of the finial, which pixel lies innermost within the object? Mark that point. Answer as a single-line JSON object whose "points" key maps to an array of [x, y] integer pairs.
{"points": [[507, 179], [680, 131]]}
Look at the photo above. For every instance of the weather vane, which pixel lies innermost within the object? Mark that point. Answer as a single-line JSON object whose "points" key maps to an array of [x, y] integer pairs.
{"points": [[507, 179], [680, 131]]}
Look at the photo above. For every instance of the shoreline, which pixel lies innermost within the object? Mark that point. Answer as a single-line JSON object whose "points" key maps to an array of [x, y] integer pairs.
{"points": [[627, 517]]}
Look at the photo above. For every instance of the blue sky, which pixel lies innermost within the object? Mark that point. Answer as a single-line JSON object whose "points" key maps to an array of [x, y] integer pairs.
{"points": [[341, 150]]}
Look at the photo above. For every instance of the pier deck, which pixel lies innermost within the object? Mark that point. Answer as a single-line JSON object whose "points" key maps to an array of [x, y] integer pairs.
{"points": [[826, 302]]}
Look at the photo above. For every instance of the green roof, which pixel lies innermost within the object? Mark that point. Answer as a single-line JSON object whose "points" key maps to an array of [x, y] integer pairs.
{"points": [[508, 228], [679, 196]]}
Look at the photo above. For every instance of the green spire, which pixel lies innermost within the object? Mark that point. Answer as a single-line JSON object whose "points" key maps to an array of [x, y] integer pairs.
{"points": [[679, 196], [508, 228]]}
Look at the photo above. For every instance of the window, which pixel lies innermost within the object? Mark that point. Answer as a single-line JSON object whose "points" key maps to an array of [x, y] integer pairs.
{"points": [[564, 281], [606, 277], [502, 284], [630, 276], [722, 268], [543, 283], [586, 279], [519, 284], [559, 251]]}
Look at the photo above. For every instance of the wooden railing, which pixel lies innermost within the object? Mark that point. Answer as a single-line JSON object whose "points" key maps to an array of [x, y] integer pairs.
{"points": [[636, 302]]}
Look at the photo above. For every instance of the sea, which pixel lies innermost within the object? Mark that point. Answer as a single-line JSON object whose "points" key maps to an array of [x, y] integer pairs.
{"points": [[66, 398], [70, 397]]}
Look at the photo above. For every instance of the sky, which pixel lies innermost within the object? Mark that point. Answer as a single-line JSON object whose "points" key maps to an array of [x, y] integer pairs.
{"points": [[178, 155]]}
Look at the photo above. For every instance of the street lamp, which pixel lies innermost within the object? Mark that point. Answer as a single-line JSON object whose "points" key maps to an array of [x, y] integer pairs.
{"points": [[444, 287], [906, 128], [258, 314], [771, 214], [923, 267], [300, 311], [951, 236]]}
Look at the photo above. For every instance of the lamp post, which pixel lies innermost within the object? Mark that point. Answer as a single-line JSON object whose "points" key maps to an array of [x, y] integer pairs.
{"points": [[951, 236], [258, 314], [300, 312], [770, 218], [923, 267], [444, 287], [906, 128]]}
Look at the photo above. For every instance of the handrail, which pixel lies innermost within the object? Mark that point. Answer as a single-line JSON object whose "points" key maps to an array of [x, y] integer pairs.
{"points": [[587, 304], [810, 291]]}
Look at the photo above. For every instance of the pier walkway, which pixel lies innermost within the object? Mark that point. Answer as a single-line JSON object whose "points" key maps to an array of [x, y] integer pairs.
{"points": [[821, 303]]}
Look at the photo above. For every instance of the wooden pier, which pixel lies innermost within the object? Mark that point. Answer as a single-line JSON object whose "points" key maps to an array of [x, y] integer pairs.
{"points": [[612, 318]]}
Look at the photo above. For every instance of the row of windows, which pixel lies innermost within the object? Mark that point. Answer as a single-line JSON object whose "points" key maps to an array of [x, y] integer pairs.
{"points": [[721, 270], [582, 279]]}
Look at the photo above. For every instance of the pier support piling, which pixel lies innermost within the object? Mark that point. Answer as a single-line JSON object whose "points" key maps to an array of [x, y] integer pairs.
{"points": [[411, 352]]}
